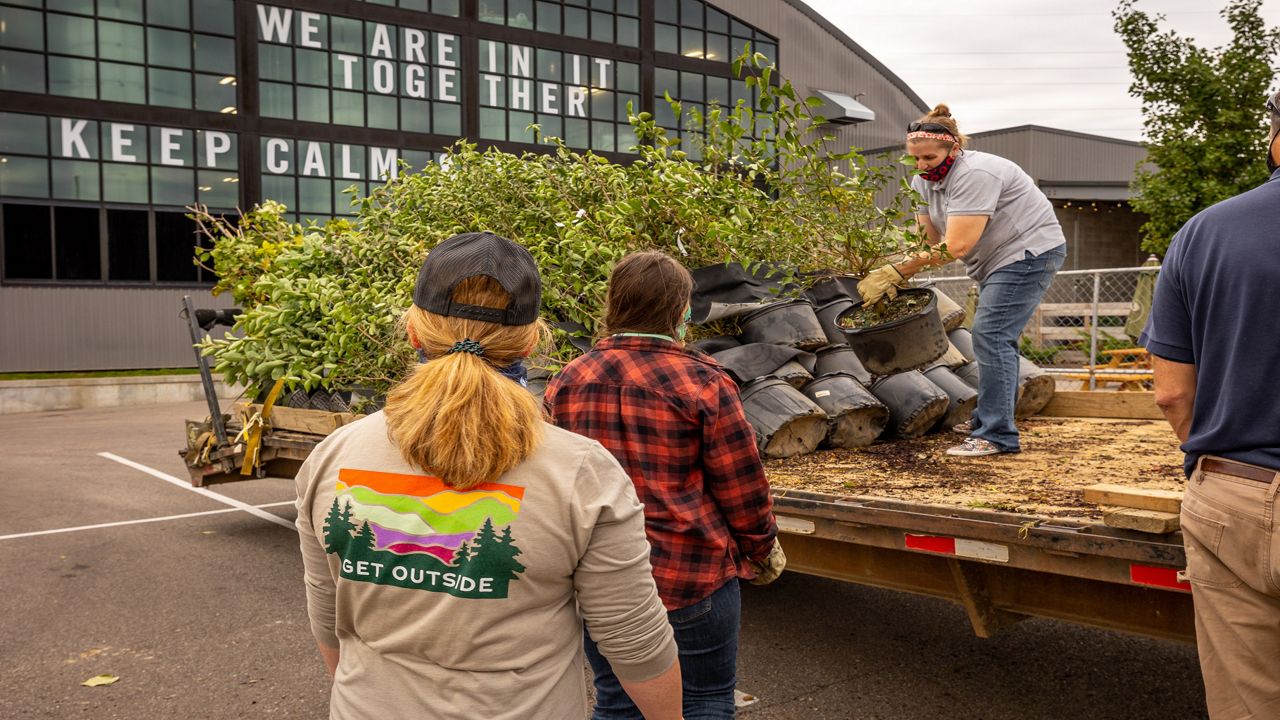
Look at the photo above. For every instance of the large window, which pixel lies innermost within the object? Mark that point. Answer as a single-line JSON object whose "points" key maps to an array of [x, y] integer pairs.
{"points": [[695, 29], [610, 21], [578, 98], [345, 71], [440, 7], [167, 53]]}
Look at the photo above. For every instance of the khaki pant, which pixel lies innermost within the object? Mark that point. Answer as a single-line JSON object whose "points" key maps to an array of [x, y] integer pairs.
{"points": [[1231, 532]]}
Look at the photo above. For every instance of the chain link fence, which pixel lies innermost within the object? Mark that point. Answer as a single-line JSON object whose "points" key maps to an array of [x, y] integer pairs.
{"points": [[1086, 325]]}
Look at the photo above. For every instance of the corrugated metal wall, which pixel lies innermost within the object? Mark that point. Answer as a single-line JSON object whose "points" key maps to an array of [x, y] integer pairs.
{"points": [[813, 58], [85, 328], [1051, 156]]}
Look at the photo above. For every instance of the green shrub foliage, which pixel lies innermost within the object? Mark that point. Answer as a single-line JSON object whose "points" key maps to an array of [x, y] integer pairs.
{"points": [[322, 303]]}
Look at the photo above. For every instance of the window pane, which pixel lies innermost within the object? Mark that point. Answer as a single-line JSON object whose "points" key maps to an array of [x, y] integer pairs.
{"points": [[628, 32], [69, 76], [168, 12], [769, 49], [22, 29], [219, 188], [210, 147], [577, 133], [275, 62], [128, 245], [121, 9], [602, 27], [516, 124], [493, 124], [348, 35], [691, 42], [215, 54], [315, 196], [520, 14], [21, 71], [602, 105], [120, 41], [691, 86], [665, 10], [23, 134], [279, 188], [717, 21], [445, 7], [28, 248], [215, 95], [275, 100], [313, 104], [666, 38], [549, 17], [491, 11], [347, 72], [628, 77], [691, 13], [170, 88], [172, 186], [85, 131], [122, 83], [175, 248], [218, 16], [313, 66], [383, 112], [348, 108], [415, 115], [718, 47], [718, 90], [629, 7], [168, 47], [124, 182], [77, 247], [447, 119], [75, 179], [575, 22], [24, 176], [83, 7], [666, 81], [70, 35], [549, 65]]}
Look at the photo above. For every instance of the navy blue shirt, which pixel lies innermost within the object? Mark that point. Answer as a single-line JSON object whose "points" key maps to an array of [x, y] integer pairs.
{"points": [[1214, 308]]}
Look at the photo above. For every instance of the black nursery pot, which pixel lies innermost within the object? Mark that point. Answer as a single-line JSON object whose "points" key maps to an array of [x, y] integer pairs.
{"points": [[904, 344], [785, 422], [787, 322], [827, 314], [840, 359], [857, 418]]}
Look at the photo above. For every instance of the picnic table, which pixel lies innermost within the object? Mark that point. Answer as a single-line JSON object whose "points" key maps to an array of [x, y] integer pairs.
{"points": [[1129, 368]]}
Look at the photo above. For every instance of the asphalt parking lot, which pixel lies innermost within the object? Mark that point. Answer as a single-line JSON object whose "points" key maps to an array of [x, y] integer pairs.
{"points": [[113, 565]]}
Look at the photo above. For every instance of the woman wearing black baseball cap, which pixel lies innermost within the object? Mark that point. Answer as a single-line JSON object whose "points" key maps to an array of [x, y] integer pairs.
{"points": [[455, 543]]}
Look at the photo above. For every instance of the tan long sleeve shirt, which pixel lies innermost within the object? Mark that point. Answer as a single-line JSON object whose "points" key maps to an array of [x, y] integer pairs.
{"points": [[450, 604]]}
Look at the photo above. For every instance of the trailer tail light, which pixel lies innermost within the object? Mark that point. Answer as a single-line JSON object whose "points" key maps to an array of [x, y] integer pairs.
{"points": [[959, 547], [1161, 577]]}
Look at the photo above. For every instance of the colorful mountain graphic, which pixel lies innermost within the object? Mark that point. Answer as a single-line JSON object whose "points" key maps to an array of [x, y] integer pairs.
{"points": [[414, 531]]}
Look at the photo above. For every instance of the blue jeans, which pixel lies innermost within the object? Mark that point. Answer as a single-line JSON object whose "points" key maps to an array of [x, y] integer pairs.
{"points": [[707, 637], [1006, 301]]}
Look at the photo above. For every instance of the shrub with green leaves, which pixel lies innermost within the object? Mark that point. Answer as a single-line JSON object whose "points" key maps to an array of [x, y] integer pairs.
{"points": [[322, 303]]}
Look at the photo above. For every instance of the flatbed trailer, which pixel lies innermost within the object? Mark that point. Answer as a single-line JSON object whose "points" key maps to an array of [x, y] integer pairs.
{"points": [[1000, 564]]}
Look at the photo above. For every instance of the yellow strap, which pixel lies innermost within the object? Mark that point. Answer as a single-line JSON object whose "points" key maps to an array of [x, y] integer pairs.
{"points": [[252, 432]]}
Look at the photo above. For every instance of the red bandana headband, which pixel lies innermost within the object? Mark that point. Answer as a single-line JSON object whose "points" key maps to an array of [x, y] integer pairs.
{"points": [[926, 135]]}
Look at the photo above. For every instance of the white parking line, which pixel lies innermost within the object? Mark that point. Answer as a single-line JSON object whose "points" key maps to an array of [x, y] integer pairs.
{"points": [[136, 522], [199, 491]]}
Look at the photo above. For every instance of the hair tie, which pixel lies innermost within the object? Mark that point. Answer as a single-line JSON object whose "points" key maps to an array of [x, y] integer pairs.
{"points": [[466, 346]]}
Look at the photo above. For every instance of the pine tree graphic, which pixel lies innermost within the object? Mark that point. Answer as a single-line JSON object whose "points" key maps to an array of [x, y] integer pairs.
{"points": [[337, 528], [462, 556], [494, 557], [365, 540]]}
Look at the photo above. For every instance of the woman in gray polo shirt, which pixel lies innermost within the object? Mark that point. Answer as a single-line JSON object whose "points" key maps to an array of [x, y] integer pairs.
{"points": [[990, 215]]}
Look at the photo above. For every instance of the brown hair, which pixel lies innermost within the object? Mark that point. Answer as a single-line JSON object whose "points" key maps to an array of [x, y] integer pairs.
{"points": [[648, 292], [941, 115], [456, 416]]}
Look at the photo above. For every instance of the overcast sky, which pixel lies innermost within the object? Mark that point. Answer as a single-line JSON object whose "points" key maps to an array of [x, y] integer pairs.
{"points": [[1000, 63]]}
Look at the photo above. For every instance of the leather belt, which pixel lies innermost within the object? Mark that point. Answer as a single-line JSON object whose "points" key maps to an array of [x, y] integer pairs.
{"points": [[1239, 470]]}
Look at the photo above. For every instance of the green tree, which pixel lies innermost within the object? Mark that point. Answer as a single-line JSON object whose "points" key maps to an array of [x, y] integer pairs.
{"points": [[337, 527], [494, 557], [462, 556], [509, 551], [1202, 114], [365, 539]]}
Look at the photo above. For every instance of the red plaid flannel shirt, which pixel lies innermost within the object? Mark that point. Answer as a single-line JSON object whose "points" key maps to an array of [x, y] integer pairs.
{"points": [[673, 420]]}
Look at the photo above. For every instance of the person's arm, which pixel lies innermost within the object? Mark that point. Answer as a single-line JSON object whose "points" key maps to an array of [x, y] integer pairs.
{"points": [[963, 233], [1175, 393], [930, 232], [653, 696], [616, 592], [321, 589], [733, 473], [330, 657]]}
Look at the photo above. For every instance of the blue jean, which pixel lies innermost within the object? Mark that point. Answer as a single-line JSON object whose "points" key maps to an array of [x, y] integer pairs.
{"points": [[707, 637], [1006, 301]]}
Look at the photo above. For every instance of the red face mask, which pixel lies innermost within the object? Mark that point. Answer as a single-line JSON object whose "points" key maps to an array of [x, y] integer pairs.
{"points": [[939, 171]]}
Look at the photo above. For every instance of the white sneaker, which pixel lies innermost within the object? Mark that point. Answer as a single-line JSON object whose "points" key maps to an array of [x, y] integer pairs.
{"points": [[974, 447], [963, 428]]}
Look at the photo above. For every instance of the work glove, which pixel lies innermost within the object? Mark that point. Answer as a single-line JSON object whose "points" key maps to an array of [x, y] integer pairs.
{"points": [[882, 282], [771, 567]]}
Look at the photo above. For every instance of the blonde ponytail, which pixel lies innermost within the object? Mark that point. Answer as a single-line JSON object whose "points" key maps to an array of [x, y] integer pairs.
{"points": [[941, 115], [456, 416]]}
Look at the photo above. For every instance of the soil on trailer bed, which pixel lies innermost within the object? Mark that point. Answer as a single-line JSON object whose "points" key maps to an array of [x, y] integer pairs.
{"points": [[1060, 457]]}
